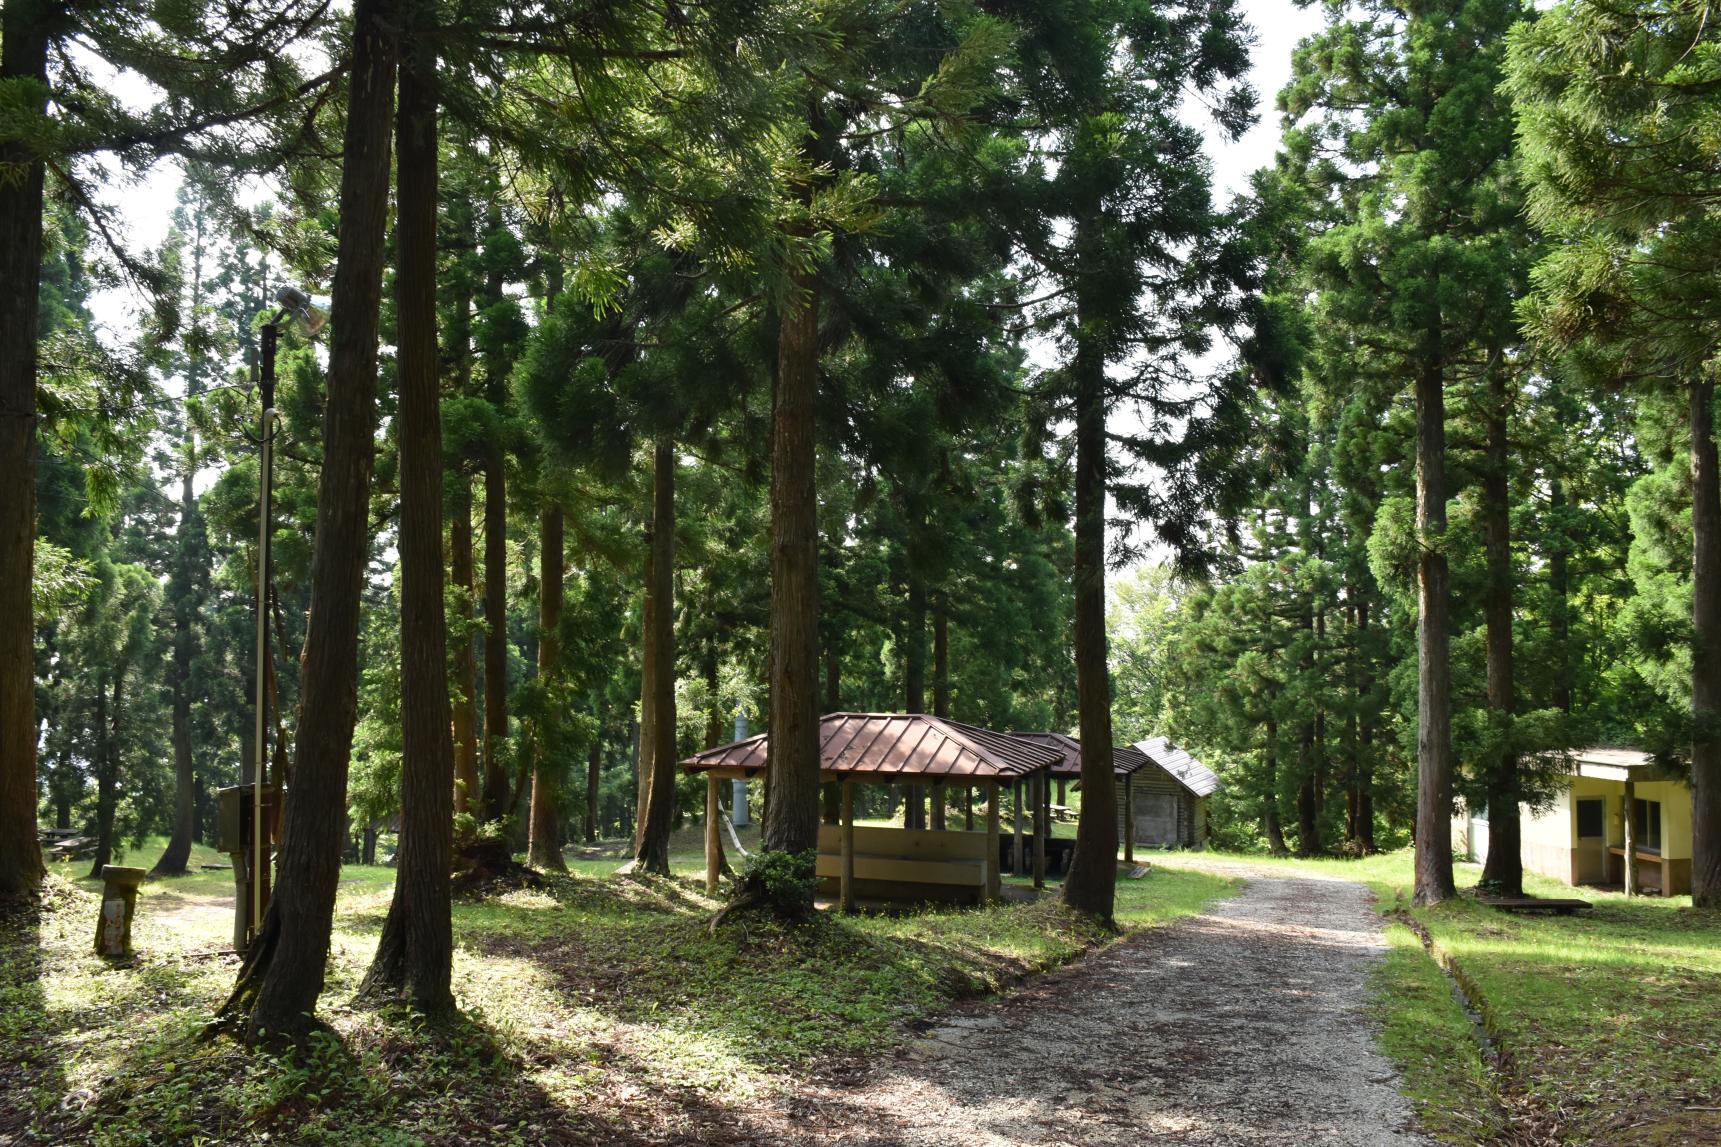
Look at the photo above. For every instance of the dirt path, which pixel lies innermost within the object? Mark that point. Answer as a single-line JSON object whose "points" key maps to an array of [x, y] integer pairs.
{"points": [[1239, 1026]]}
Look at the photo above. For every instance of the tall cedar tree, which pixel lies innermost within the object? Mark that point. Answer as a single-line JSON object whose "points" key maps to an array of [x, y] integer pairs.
{"points": [[1139, 282], [283, 973], [1616, 106], [188, 580], [1420, 271], [543, 828], [25, 26], [415, 956]]}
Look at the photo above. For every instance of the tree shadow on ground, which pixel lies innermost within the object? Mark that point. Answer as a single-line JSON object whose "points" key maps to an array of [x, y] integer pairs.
{"points": [[388, 1077], [33, 1084]]}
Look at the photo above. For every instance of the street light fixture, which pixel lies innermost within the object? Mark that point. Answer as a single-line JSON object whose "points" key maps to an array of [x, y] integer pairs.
{"points": [[309, 319]]}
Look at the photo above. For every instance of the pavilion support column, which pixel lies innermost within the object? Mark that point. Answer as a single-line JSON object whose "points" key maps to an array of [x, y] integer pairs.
{"points": [[968, 809], [713, 844], [1129, 818], [937, 791], [848, 877], [993, 883], [1063, 791], [1016, 854], [1042, 797], [1631, 885]]}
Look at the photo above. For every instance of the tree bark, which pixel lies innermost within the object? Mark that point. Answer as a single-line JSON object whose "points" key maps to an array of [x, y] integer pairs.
{"points": [[465, 716], [544, 845], [24, 34], [415, 957], [914, 683], [645, 737], [940, 654], [652, 854], [1705, 652], [1091, 883], [1270, 810], [594, 765], [284, 972], [1559, 589], [1504, 867], [791, 821], [496, 633], [1365, 755], [107, 768], [174, 858], [1433, 667]]}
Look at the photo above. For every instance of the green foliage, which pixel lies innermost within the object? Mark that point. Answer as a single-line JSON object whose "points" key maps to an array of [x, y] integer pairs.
{"points": [[785, 881]]}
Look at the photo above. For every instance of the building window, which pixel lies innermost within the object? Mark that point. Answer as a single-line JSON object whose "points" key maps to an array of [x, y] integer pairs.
{"points": [[1589, 819], [1646, 825]]}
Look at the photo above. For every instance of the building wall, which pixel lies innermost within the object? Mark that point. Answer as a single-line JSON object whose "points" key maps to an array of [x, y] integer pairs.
{"points": [[1550, 837], [1166, 815]]}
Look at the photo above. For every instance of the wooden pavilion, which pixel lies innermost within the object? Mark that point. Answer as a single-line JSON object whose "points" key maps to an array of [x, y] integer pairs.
{"points": [[1127, 760], [897, 748]]}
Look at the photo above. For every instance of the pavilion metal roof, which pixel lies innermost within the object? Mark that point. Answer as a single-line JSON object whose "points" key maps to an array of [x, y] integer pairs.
{"points": [[1126, 759], [883, 747], [1189, 772]]}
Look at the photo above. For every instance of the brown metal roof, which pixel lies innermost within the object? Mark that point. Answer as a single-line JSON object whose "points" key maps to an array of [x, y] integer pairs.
{"points": [[1126, 759], [1185, 769], [884, 746]]}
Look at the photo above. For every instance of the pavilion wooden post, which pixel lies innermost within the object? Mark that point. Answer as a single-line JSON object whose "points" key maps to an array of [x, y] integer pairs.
{"points": [[848, 877], [1631, 886], [1042, 794], [1063, 791], [968, 809], [993, 881], [713, 844], [937, 823], [1016, 854], [1129, 818]]}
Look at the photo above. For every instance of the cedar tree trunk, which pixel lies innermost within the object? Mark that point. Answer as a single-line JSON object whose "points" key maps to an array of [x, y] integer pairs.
{"points": [[173, 860], [283, 973], [495, 804], [544, 843], [1705, 652], [1504, 869], [1090, 886], [791, 821], [465, 715], [1433, 666], [652, 855], [415, 957], [23, 56]]}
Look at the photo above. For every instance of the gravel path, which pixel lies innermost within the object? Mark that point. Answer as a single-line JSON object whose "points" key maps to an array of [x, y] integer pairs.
{"points": [[1239, 1026]]}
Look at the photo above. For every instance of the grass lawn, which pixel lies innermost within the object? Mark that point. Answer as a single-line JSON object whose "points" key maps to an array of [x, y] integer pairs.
{"points": [[598, 1009], [1610, 1020]]}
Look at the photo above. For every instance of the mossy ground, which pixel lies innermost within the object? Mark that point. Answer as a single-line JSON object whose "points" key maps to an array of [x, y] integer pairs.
{"points": [[594, 1009]]}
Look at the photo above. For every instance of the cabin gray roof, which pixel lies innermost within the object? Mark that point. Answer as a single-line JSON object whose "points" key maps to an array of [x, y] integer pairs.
{"points": [[1189, 772]]}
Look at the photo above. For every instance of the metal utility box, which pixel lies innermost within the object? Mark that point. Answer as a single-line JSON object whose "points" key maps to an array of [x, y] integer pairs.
{"points": [[233, 816]]}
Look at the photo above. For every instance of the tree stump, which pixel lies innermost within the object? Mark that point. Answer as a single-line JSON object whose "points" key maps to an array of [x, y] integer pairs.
{"points": [[119, 905]]}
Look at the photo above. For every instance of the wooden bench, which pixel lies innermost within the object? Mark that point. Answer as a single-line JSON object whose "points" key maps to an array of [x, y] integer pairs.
{"points": [[906, 864], [1533, 904]]}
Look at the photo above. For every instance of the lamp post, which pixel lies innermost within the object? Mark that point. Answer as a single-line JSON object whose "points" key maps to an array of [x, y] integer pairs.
{"points": [[310, 320]]}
